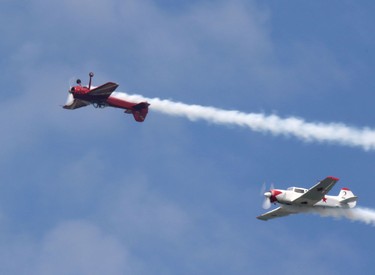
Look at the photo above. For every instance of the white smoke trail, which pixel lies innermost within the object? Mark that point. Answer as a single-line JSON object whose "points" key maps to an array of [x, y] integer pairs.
{"points": [[335, 133], [365, 215]]}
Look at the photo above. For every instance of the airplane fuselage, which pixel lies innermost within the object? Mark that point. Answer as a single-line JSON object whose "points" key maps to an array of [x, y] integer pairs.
{"points": [[286, 197]]}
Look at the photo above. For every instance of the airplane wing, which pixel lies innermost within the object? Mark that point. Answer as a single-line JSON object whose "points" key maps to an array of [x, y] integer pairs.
{"points": [[317, 192], [275, 213], [104, 90], [98, 94], [76, 104], [73, 103]]}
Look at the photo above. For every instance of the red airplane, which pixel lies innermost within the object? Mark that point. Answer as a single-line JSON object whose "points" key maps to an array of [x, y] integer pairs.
{"points": [[101, 96]]}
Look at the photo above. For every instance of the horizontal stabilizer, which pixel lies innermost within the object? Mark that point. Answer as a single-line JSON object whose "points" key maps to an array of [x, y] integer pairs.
{"points": [[348, 200], [140, 111], [140, 106]]}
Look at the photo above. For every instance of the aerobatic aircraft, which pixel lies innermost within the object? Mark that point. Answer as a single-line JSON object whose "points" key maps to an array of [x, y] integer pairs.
{"points": [[300, 200], [103, 96]]}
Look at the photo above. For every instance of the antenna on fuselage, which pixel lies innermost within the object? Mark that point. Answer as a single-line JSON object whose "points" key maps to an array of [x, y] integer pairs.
{"points": [[91, 74]]}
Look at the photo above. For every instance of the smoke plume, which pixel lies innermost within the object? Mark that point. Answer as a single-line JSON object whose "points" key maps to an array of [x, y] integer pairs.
{"points": [[360, 214], [334, 133]]}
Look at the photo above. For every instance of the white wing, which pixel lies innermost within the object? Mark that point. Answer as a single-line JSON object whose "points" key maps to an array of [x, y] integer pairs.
{"points": [[275, 213], [317, 192]]}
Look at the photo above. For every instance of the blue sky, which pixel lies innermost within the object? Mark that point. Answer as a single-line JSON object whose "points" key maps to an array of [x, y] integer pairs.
{"points": [[93, 192]]}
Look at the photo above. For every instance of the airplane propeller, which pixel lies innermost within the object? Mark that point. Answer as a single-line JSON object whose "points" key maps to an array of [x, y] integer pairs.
{"points": [[267, 196], [263, 189], [266, 202], [70, 98]]}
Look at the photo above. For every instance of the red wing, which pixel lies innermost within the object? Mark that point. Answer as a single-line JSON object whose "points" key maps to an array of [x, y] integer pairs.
{"points": [[98, 94], [104, 90]]}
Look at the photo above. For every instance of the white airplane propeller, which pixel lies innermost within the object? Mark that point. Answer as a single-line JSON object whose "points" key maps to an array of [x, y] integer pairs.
{"points": [[266, 202], [267, 196]]}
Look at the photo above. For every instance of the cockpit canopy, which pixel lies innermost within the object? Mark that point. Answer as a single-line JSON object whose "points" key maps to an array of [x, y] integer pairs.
{"points": [[297, 190]]}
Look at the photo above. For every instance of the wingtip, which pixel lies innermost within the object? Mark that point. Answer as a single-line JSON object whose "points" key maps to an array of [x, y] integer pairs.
{"points": [[334, 178], [261, 218]]}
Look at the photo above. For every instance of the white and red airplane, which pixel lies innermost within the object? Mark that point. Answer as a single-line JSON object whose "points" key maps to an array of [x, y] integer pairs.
{"points": [[300, 200], [102, 96]]}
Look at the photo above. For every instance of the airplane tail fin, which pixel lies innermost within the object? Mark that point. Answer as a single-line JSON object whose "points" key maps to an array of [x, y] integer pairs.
{"points": [[347, 198], [140, 111]]}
